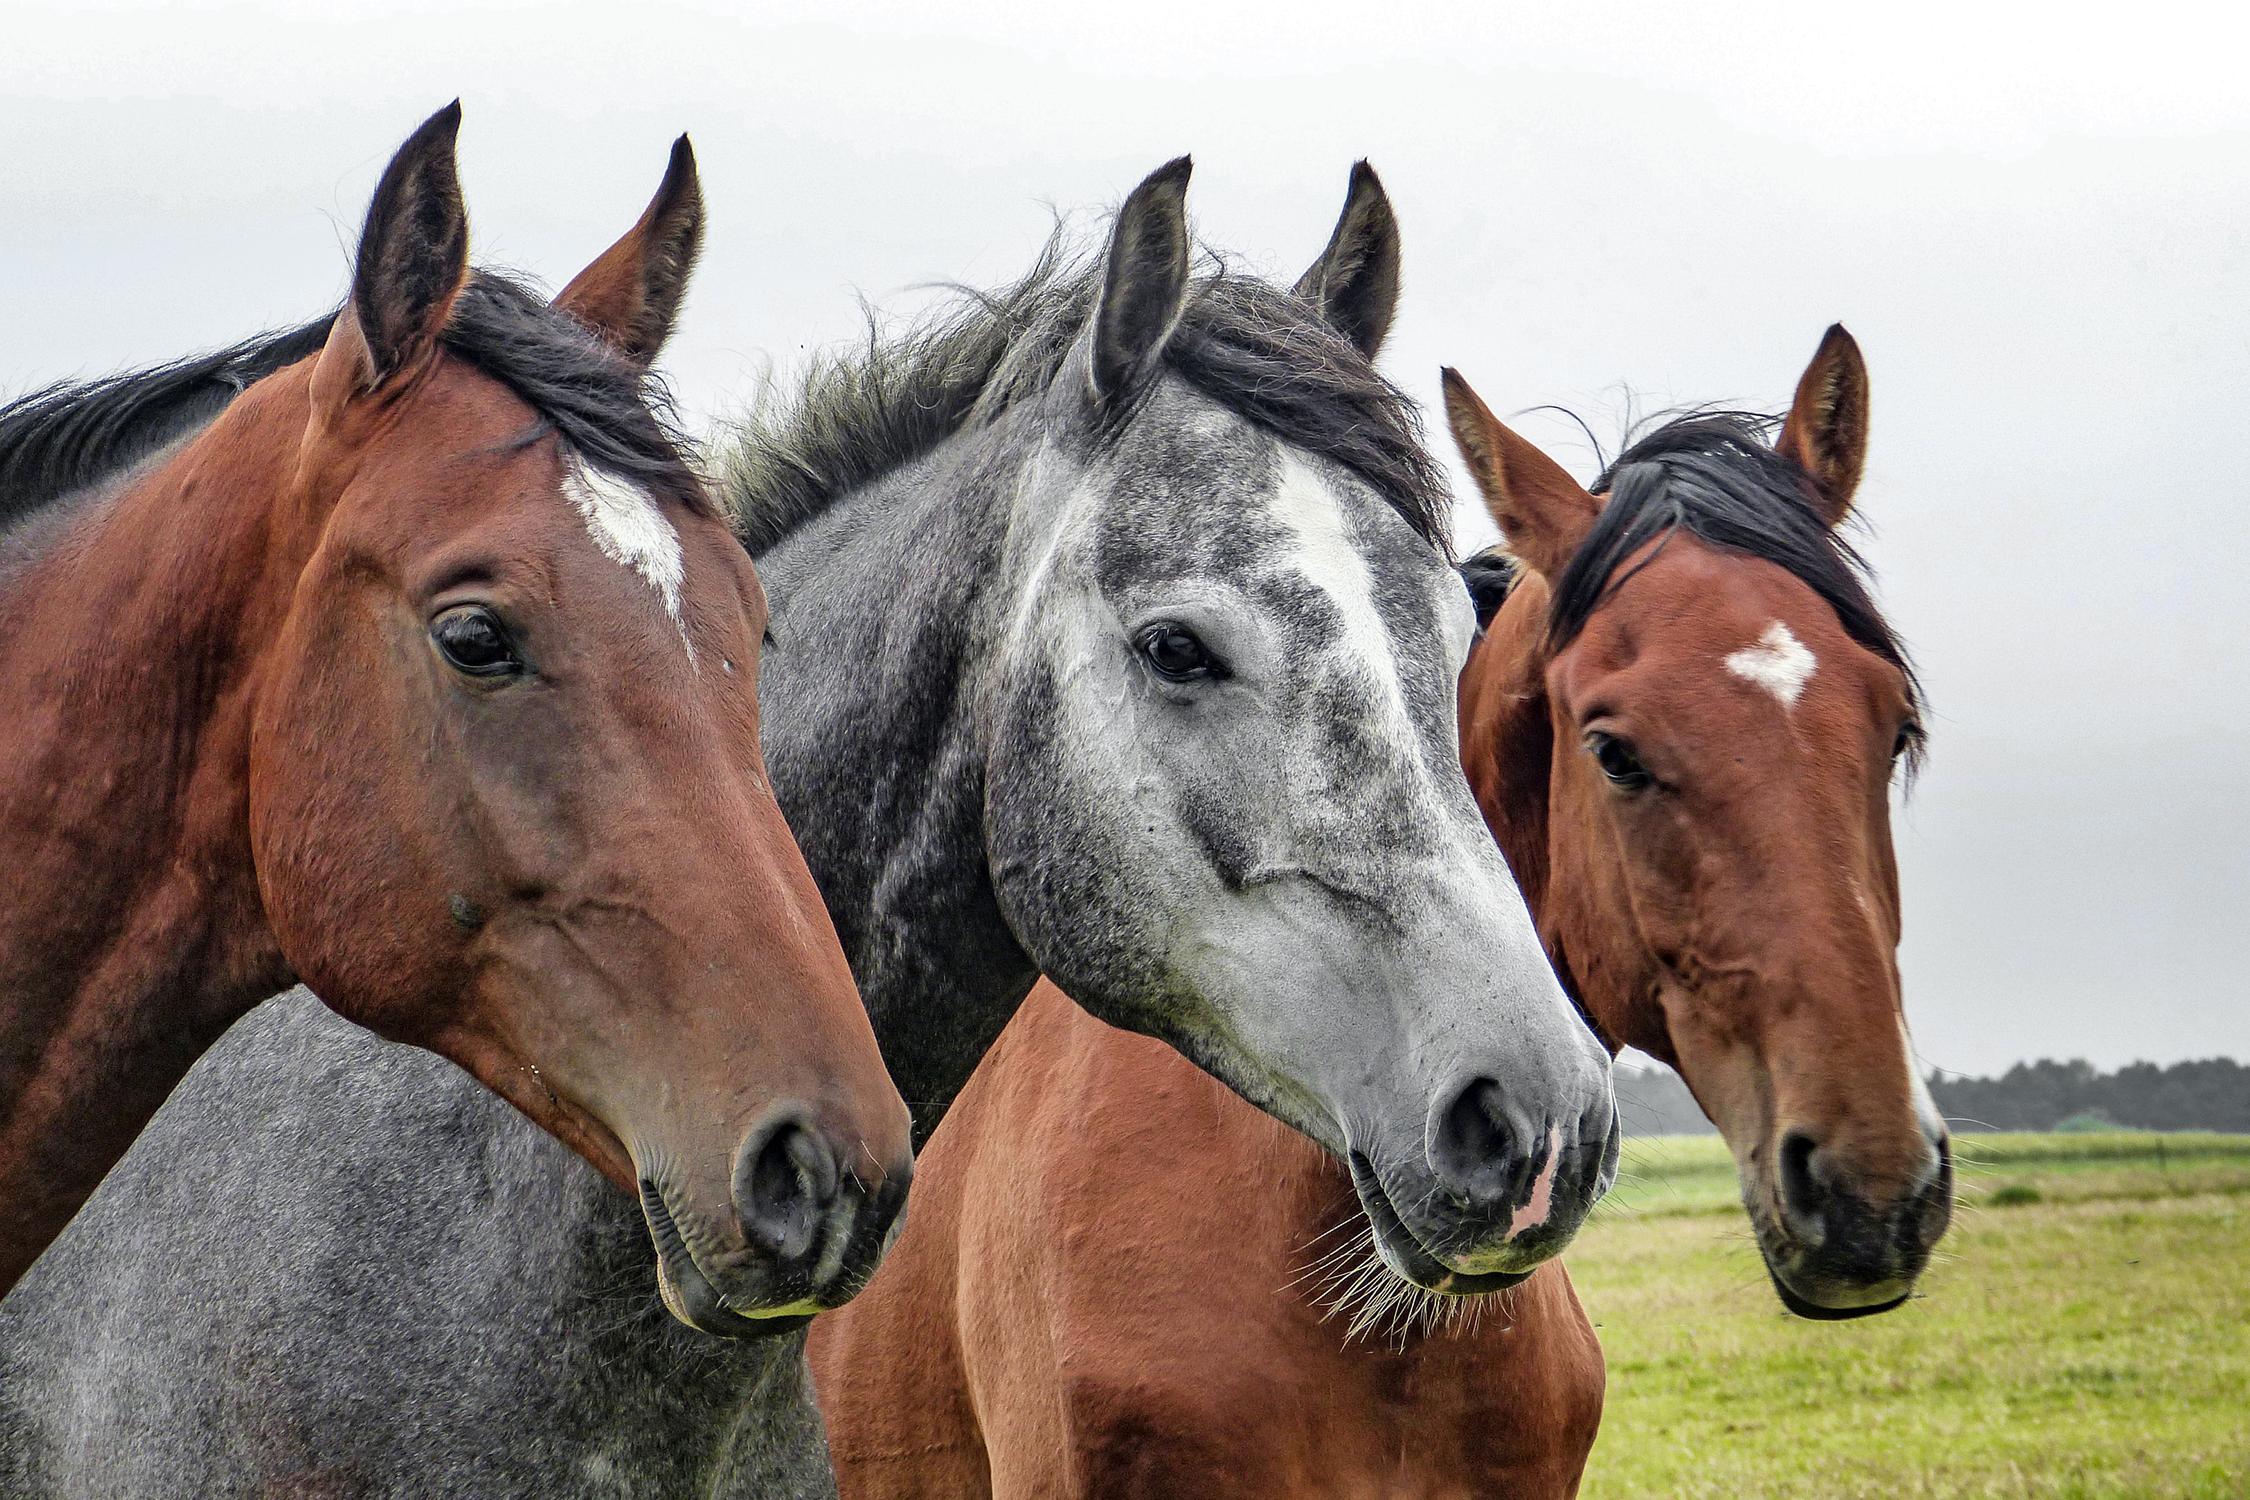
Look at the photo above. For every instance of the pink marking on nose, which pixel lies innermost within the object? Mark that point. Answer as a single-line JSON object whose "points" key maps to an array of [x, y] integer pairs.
{"points": [[1542, 1200]]}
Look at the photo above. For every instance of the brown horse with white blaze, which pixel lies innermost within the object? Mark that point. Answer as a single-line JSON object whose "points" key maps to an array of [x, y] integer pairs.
{"points": [[1682, 726], [406, 656]]}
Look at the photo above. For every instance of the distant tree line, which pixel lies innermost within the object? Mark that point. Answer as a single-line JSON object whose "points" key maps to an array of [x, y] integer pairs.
{"points": [[2209, 1094], [2212, 1093]]}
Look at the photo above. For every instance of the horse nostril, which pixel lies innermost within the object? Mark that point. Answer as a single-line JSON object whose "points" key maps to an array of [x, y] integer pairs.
{"points": [[1472, 1150], [1803, 1199], [785, 1182]]}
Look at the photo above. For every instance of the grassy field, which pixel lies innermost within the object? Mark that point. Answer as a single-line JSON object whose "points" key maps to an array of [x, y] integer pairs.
{"points": [[2086, 1333]]}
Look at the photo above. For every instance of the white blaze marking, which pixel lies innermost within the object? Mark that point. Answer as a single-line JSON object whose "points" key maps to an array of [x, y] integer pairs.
{"points": [[1779, 663], [629, 528], [1305, 504]]}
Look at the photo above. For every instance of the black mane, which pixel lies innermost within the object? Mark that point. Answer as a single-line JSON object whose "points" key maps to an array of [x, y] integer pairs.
{"points": [[609, 411], [1491, 576], [67, 438], [1716, 475], [1253, 347]]}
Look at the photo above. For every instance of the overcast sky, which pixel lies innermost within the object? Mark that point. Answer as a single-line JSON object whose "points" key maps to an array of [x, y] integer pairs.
{"points": [[2034, 222]]}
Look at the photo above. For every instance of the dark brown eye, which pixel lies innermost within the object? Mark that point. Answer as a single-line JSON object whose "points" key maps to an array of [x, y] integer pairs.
{"points": [[1618, 761], [472, 640], [1175, 654], [1909, 735]]}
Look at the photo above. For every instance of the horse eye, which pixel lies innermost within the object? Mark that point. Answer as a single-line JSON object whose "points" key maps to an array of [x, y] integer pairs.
{"points": [[1618, 762], [1175, 654], [1909, 735], [472, 640]]}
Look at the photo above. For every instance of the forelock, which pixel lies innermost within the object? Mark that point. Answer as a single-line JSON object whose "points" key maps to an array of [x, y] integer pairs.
{"points": [[1717, 476]]}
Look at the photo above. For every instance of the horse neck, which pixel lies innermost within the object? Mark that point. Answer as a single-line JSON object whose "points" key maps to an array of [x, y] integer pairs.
{"points": [[1509, 740], [887, 610], [134, 934]]}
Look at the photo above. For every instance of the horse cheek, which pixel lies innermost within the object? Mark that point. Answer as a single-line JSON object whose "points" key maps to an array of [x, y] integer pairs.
{"points": [[334, 767]]}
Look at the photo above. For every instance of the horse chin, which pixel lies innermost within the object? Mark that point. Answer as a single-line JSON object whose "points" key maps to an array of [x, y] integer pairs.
{"points": [[1406, 1256], [1835, 1302], [1820, 1312], [690, 1296]]}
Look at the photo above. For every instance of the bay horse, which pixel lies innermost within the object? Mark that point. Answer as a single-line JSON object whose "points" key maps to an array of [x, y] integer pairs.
{"points": [[1060, 577], [1682, 724], [404, 654]]}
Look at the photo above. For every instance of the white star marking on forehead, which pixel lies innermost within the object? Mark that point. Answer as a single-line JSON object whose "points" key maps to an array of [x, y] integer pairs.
{"points": [[628, 526], [1779, 663]]}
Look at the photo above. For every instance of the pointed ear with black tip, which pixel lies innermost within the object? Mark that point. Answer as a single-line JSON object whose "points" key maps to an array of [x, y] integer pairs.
{"points": [[1144, 284], [413, 261], [1826, 430], [631, 294], [1541, 511], [1354, 283]]}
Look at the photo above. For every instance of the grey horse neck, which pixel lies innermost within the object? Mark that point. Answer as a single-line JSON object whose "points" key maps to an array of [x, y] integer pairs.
{"points": [[882, 607], [335, 1266]]}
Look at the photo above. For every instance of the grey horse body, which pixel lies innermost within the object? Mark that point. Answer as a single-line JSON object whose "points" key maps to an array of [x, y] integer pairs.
{"points": [[333, 1267]]}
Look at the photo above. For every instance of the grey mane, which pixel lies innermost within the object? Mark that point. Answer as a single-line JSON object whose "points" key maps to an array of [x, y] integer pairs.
{"points": [[1257, 349]]}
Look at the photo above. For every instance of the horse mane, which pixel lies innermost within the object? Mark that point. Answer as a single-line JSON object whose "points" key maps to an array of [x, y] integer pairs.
{"points": [[1717, 476], [1492, 576], [68, 437], [1258, 350]]}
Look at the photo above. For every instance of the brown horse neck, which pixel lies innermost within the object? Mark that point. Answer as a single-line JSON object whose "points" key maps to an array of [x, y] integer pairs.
{"points": [[134, 933], [1506, 742], [1509, 741]]}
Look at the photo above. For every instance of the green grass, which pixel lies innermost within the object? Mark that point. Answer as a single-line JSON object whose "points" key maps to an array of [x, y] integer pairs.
{"points": [[2085, 1333]]}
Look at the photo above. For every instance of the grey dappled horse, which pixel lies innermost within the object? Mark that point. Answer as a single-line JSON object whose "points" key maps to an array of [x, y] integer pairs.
{"points": [[1113, 637]]}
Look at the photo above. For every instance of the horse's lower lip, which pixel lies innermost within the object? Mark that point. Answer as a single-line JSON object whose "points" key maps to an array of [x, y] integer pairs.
{"points": [[1820, 1312], [1404, 1254], [1774, 1244], [689, 1295]]}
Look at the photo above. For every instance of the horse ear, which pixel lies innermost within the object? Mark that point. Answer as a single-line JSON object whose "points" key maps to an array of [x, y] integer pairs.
{"points": [[1542, 512], [1354, 283], [1144, 286], [631, 294], [413, 255], [1826, 430]]}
